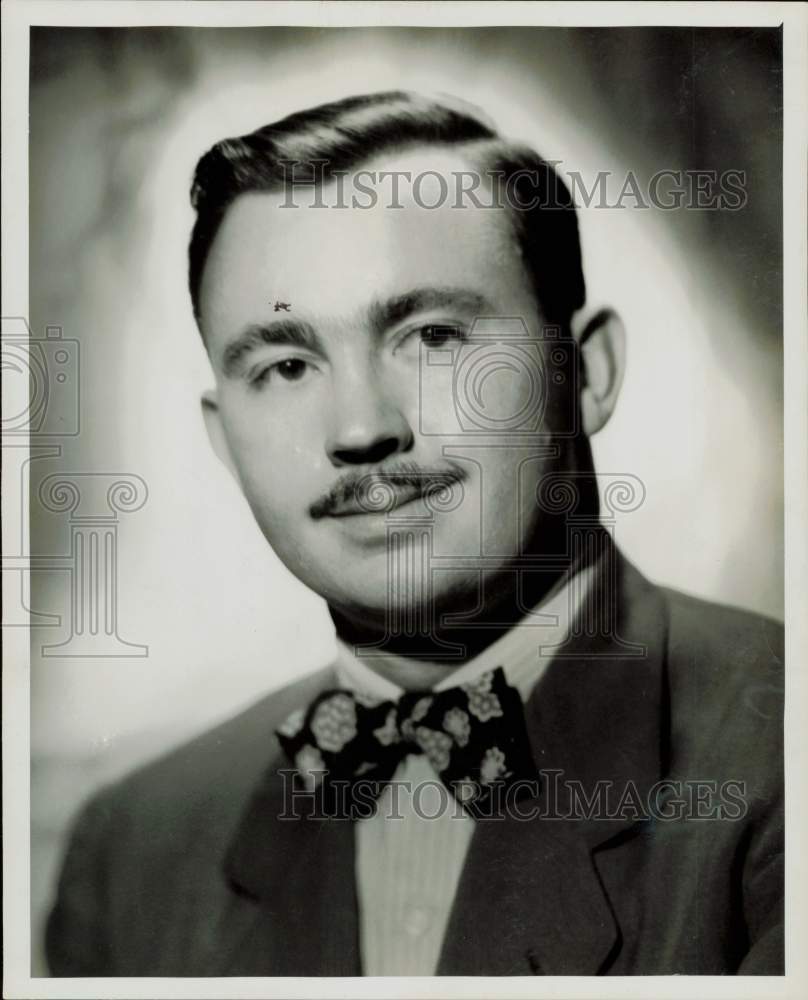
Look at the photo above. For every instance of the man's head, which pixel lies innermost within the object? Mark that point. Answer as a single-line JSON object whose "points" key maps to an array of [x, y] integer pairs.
{"points": [[341, 330]]}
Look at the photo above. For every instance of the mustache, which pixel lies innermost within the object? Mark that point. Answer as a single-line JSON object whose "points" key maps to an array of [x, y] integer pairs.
{"points": [[369, 489]]}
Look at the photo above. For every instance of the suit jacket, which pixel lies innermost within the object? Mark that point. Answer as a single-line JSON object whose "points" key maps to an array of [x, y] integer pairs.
{"points": [[184, 869]]}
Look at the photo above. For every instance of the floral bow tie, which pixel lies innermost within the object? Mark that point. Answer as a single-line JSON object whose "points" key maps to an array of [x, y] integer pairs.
{"points": [[474, 736]]}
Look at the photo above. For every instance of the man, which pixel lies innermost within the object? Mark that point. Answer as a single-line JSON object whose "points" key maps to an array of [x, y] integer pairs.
{"points": [[526, 759]]}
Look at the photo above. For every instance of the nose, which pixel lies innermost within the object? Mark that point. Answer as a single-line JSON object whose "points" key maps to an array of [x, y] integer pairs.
{"points": [[367, 424]]}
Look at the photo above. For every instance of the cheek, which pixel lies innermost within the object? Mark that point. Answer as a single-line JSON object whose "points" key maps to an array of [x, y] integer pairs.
{"points": [[511, 477], [483, 387], [280, 459], [431, 398]]}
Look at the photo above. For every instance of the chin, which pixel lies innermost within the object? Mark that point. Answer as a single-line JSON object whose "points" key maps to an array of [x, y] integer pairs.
{"points": [[356, 593]]}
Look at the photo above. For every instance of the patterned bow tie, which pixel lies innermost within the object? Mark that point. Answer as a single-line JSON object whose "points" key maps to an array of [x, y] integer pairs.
{"points": [[474, 736]]}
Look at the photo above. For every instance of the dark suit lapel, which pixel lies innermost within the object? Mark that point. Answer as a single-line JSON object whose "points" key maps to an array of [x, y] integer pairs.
{"points": [[530, 898], [294, 908], [529, 901]]}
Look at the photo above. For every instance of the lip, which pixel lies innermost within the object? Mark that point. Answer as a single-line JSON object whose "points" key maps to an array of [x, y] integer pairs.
{"points": [[402, 495]]}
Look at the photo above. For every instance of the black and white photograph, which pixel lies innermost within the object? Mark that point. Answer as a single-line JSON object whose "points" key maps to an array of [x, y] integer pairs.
{"points": [[404, 499]]}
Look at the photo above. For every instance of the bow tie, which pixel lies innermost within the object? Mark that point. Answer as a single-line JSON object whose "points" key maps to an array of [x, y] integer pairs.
{"points": [[474, 736]]}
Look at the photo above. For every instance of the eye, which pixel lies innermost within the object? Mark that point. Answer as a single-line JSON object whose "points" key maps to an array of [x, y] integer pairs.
{"points": [[289, 369], [429, 335], [438, 334]]}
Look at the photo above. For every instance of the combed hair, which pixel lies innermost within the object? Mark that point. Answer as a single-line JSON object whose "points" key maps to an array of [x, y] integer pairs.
{"points": [[344, 134]]}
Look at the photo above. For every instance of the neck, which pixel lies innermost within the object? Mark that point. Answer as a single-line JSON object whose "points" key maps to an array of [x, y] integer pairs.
{"points": [[421, 661]]}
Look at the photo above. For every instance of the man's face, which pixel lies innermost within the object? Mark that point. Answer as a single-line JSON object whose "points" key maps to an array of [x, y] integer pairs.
{"points": [[335, 335]]}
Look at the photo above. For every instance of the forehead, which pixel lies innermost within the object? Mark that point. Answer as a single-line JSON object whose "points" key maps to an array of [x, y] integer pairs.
{"points": [[333, 261]]}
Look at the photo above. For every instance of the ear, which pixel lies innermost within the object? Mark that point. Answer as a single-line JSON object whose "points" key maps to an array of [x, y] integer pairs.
{"points": [[215, 429], [601, 339]]}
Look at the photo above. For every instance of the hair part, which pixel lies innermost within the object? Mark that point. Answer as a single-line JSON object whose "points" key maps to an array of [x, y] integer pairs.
{"points": [[345, 134]]}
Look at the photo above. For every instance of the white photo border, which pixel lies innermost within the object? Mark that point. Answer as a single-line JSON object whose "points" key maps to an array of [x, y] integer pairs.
{"points": [[18, 17]]}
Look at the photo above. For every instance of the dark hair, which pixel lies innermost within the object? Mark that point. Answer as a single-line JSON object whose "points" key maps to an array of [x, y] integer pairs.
{"points": [[349, 132]]}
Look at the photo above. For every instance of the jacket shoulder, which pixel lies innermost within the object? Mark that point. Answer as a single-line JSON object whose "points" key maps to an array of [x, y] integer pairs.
{"points": [[725, 671], [733, 648], [725, 630], [186, 804], [227, 759], [153, 844]]}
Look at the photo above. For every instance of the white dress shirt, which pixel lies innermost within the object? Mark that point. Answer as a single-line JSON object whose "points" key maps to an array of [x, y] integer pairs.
{"points": [[408, 863]]}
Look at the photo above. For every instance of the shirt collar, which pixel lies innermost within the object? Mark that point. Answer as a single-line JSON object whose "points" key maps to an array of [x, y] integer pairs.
{"points": [[523, 652]]}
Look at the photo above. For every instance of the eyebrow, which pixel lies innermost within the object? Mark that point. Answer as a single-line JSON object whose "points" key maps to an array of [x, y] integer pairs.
{"points": [[399, 307], [287, 332], [382, 315]]}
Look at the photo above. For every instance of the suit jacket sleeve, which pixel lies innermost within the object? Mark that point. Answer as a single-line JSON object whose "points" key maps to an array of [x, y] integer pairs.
{"points": [[76, 942]]}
